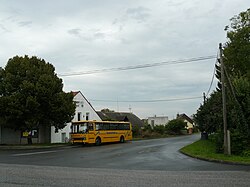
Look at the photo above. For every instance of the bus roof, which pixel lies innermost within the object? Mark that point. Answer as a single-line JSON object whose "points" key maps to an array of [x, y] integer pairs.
{"points": [[94, 121]]}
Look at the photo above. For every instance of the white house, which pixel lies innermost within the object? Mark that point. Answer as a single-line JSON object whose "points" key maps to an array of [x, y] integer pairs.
{"points": [[157, 120], [84, 111]]}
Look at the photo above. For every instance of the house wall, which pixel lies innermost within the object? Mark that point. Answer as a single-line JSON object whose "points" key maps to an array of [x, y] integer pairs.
{"points": [[161, 120], [84, 111], [9, 136], [189, 125], [62, 136]]}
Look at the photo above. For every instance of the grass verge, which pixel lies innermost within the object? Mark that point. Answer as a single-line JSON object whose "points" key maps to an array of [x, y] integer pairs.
{"points": [[205, 149]]}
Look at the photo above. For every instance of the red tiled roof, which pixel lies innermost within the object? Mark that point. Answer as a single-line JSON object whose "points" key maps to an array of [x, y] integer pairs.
{"points": [[75, 93]]}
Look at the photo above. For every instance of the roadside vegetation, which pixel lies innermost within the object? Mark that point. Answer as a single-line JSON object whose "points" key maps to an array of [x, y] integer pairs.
{"points": [[206, 149], [174, 127], [209, 119]]}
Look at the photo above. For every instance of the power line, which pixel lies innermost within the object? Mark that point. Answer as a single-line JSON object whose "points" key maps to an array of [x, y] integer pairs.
{"points": [[182, 61], [211, 83], [148, 101]]}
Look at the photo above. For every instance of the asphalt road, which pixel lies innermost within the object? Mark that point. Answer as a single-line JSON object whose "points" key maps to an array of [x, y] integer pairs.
{"points": [[139, 163]]}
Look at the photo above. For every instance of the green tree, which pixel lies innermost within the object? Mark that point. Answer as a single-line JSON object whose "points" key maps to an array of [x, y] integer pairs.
{"points": [[209, 116], [175, 126], [31, 95], [237, 62], [237, 69], [237, 48], [107, 110]]}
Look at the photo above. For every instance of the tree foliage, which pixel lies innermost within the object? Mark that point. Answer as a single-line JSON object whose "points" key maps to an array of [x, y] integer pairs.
{"points": [[209, 116], [237, 47], [237, 69], [107, 110], [175, 126], [31, 95]]}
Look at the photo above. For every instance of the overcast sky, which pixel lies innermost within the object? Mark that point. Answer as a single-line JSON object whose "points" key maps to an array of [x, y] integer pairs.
{"points": [[85, 35]]}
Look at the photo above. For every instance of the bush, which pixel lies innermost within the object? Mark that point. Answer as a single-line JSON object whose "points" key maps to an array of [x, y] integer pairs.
{"points": [[175, 126], [238, 142], [246, 153], [218, 140], [136, 130], [159, 129]]}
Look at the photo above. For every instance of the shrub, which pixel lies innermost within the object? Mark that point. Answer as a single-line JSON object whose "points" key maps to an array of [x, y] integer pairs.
{"points": [[175, 126], [159, 129]]}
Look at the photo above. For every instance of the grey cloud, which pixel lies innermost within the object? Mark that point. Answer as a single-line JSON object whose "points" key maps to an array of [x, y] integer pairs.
{"points": [[75, 32], [140, 14], [25, 23], [3, 28], [99, 35]]}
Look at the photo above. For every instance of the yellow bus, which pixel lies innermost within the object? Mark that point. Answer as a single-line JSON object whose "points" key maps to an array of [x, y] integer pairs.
{"points": [[97, 132]]}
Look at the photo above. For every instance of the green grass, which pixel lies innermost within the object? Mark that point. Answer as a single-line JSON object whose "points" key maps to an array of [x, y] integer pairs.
{"points": [[205, 149]]}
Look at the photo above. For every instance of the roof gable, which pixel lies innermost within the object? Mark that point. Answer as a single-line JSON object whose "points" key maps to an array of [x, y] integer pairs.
{"points": [[184, 116], [75, 93]]}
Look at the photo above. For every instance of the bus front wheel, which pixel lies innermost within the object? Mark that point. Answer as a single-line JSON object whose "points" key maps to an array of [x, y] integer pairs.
{"points": [[98, 141]]}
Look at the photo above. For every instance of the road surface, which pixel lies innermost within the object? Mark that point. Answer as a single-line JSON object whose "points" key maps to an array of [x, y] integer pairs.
{"points": [[139, 163]]}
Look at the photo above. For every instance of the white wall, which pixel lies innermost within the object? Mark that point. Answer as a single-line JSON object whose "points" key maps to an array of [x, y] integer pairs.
{"points": [[161, 120], [83, 107], [189, 125]]}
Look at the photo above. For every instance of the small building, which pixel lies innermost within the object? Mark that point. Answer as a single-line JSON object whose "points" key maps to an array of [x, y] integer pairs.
{"points": [[84, 111], [157, 120], [189, 122]]}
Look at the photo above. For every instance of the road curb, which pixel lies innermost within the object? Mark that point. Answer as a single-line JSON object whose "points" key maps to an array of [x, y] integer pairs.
{"points": [[214, 160], [16, 147]]}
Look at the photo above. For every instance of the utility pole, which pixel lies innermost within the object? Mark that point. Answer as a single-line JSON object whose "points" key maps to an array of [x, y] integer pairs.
{"points": [[226, 147]]}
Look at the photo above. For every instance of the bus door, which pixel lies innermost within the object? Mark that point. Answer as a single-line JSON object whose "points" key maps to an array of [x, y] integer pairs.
{"points": [[91, 132]]}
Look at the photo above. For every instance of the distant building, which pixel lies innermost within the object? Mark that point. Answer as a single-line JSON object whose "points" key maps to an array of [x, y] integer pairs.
{"points": [[84, 111], [157, 120], [189, 122]]}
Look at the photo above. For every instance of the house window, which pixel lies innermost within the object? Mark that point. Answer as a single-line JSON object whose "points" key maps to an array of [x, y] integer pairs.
{"points": [[79, 116], [87, 116], [77, 103]]}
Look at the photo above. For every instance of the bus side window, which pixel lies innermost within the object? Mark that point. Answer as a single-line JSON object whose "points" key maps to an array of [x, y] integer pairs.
{"points": [[119, 126], [97, 126], [126, 127], [113, 126], [106, 126], [91, 126]]}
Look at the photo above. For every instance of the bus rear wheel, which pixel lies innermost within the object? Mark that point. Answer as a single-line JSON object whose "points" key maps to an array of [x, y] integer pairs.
{"points": [[98, 141], [122, 140]]}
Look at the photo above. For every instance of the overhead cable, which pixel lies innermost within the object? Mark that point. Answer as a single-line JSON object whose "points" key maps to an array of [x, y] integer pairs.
{"points": [[211, 83], [147, 101], [182, 61]]}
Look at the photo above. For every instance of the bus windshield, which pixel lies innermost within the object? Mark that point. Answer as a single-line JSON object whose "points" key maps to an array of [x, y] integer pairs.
{"points": [[82, 127]]}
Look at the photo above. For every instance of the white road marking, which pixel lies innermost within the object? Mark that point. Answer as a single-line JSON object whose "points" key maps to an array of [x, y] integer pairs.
{"points": [[34, 153]]}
